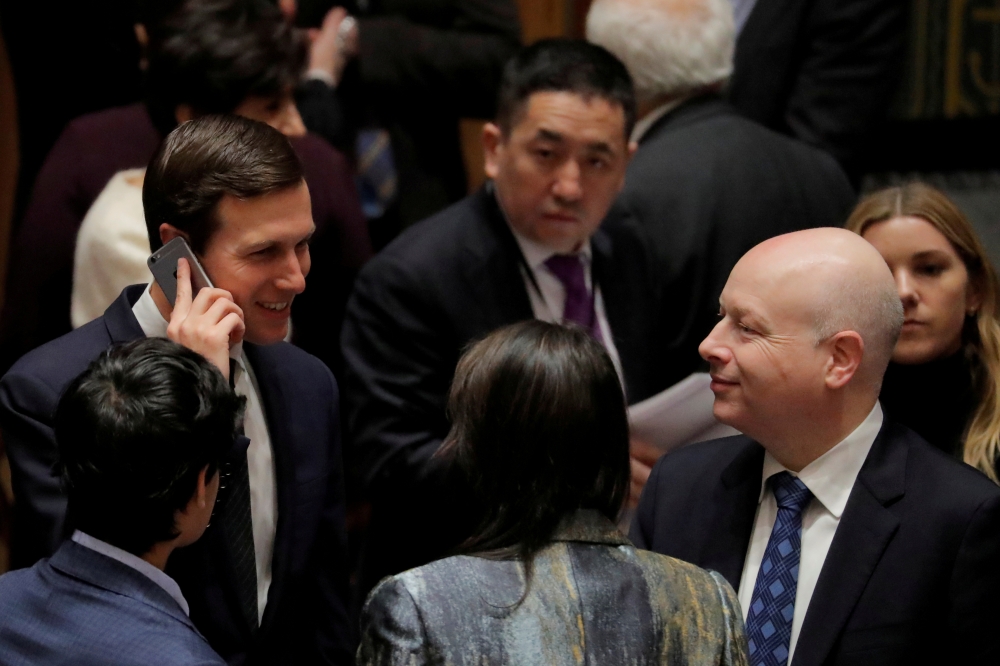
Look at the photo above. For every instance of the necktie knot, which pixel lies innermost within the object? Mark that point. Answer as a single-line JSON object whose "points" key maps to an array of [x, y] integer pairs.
{"points": [[568, 269], [789, 492]]}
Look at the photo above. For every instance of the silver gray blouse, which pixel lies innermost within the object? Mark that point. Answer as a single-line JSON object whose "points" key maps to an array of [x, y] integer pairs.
{"points": [[593, 599]]}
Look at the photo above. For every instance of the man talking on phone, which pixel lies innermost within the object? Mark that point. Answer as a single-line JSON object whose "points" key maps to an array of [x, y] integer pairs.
{"points": [[268, 582]]}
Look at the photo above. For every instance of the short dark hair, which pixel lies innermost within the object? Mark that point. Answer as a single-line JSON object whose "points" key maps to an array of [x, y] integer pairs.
{"points": [[213, 54], [209, 157], [133, 432], [539, 427], [564, 65]]}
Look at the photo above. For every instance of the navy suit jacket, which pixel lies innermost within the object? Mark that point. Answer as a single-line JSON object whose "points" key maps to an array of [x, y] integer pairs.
{"points": [[444, 282], [305, 619], [912, 575], [107, 613]]}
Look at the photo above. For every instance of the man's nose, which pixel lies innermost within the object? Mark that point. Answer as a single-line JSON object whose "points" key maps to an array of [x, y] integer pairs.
{"points": [[568, 186], [289, 121], [293, 277], [712, 347]]}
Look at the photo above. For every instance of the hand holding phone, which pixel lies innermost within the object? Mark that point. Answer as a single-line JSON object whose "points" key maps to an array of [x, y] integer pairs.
{"points": [[210, 323]]}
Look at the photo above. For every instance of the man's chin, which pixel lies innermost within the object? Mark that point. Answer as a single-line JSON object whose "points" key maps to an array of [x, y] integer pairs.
{"points": [[266, 335]]}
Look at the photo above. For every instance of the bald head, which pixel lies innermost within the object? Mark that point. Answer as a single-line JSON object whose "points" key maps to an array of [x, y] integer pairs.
{"points": [[670, 47], [834, 280]]}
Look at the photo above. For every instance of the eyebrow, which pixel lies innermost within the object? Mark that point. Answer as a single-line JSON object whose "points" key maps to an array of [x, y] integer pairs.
{"points": [[595, 146], [738, 312], [932, 254], [269, 242]]}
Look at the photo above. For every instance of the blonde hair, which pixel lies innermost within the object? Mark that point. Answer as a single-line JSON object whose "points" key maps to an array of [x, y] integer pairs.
{"points": [[980, 341]]}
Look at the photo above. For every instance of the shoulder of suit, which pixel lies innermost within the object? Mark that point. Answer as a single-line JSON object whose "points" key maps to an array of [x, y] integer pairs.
{"points": [[434, 243], [55, 363], [932, 472]]}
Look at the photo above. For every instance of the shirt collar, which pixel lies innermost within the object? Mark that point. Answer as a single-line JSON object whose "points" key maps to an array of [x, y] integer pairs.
{"points": [[142, 566], [644, 124], [155, 326], [831, 477]]}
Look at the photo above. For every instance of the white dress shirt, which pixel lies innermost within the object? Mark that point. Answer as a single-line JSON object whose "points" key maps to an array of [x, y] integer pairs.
{"points": [[137, 563], [260, 458], [111, 248], [830, 479], [551, 302]]}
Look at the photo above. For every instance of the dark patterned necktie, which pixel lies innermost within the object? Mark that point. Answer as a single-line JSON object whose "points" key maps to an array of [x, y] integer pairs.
{"points": [[569, 270], [772, 606], [237, 523]]}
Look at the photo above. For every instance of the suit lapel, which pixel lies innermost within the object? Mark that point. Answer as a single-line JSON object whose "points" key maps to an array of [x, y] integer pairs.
{"points": [[493, 267], [118, 318], [865, 530], [279, 420], [735, 507]]}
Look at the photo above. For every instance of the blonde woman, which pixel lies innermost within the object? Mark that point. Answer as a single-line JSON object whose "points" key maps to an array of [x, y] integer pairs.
{"points": [[943, 381]]}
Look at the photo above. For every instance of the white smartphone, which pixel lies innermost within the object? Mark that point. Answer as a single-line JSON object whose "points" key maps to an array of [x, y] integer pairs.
{"points": [[163, 265]]}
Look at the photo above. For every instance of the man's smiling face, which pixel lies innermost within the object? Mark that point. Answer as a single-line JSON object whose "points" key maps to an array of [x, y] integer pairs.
{"points": [[260, 254]]}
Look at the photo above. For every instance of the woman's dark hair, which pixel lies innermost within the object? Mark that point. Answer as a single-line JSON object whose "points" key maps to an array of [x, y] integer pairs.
{"points": [[540, 429], [564, 65], [213, 54], [206, 158], [134, 431]]}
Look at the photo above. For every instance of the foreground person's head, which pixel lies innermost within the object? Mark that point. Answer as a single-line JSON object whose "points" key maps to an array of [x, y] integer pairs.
{"points": [[234, 189], [809, 322], [539, 426], [141, 434], [559, 146]]}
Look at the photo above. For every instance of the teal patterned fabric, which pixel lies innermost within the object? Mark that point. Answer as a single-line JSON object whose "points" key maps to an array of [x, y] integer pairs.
{"points": [[593, 599]]}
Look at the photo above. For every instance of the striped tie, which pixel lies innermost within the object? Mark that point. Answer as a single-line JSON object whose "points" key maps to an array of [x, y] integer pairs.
{"points": [[237, 523]]}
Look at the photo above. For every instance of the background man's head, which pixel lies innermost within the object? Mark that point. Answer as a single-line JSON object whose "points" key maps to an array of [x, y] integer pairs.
{"points": [[234, 189], [809, 322], [224, 56], [138, 432], [558, 150], [672, 48]]}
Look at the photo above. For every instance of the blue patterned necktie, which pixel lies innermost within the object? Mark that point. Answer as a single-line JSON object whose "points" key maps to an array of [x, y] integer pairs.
{"points": [[769, 624]]}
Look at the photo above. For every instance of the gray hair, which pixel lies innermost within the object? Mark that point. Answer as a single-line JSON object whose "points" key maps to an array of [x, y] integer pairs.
{"points": [[870, 308], [670, 47]]}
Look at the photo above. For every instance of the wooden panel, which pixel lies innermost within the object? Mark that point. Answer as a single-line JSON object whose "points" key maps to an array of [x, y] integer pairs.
{"points": [[543, 18]]}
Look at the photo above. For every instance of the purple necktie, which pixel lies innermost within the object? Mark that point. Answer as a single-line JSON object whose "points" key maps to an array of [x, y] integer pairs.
{"points": [[568, 268]]}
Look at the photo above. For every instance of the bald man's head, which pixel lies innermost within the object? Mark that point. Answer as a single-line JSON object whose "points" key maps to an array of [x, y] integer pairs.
{"points": [[839, 284], [809, 321]]}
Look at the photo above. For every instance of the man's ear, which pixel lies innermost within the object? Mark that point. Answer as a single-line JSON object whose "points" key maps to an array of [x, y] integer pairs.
{"points": [[201, 488], [492, 145], [847, 348], [168, 232]]}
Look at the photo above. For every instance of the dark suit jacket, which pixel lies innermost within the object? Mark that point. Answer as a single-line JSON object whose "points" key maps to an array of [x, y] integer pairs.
{"points": [[446, 281], [911, 576], [707, 185], [591, 593], [823, 71], [95, 147], [107, 613], [305, 613]]}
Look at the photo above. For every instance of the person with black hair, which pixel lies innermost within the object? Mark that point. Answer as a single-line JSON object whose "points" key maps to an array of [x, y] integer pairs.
{"points": [[530, 244], [540, 429], [268, 583], [142, 435], [210, 56]]}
